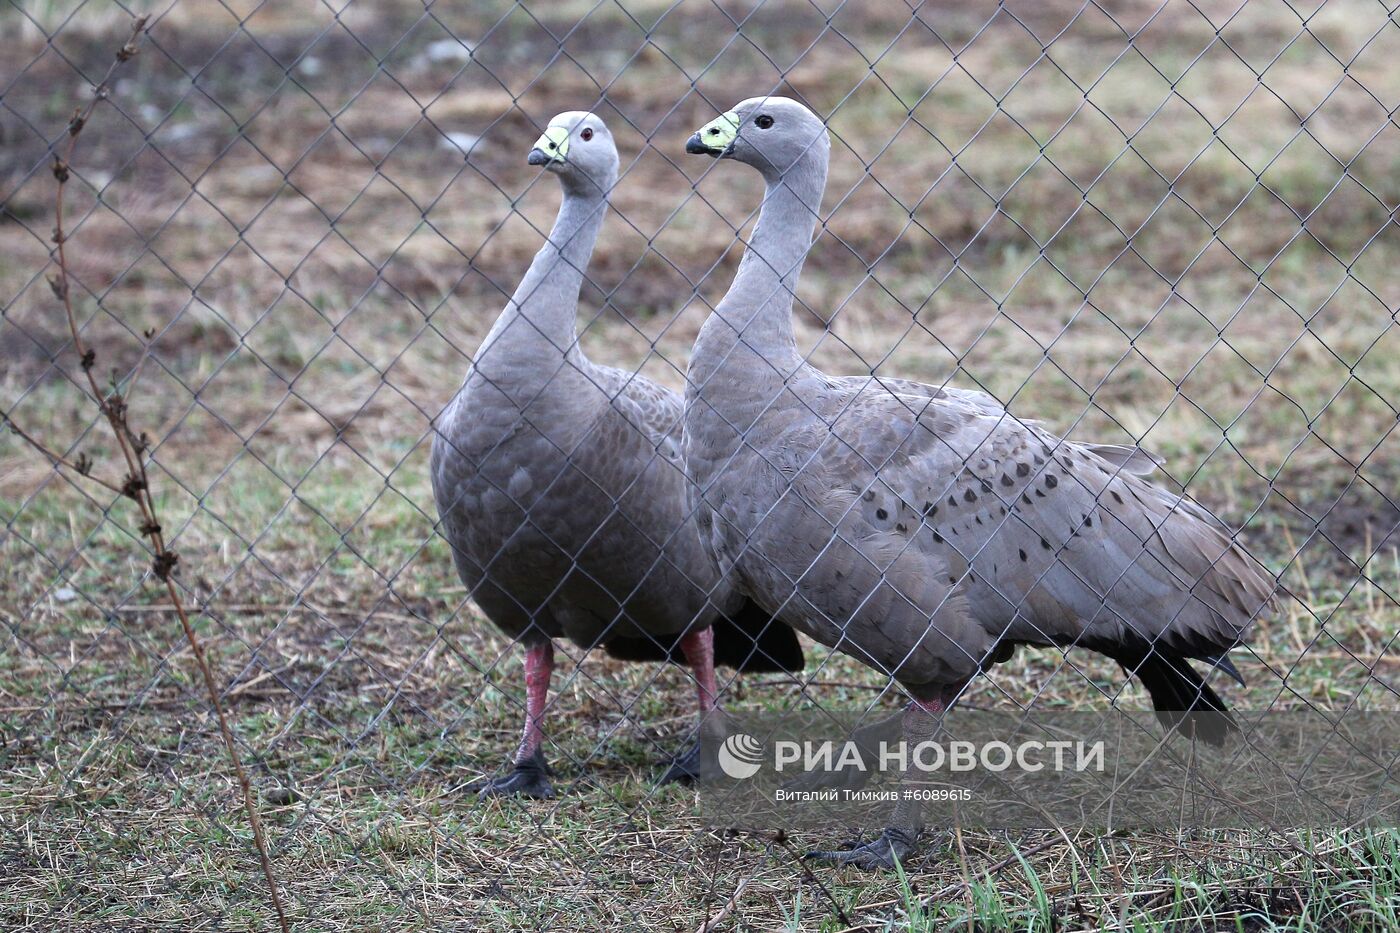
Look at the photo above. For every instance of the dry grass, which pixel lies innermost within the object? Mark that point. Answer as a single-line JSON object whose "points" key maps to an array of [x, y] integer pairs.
{"points": [[1177, 250]]}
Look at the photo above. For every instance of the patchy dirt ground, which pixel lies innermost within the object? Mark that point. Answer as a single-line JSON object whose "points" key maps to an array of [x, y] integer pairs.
{"points": [[1186, 240]]}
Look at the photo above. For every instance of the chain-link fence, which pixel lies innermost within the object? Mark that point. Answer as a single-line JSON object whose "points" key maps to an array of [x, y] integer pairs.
{"points": [[289, 228]]}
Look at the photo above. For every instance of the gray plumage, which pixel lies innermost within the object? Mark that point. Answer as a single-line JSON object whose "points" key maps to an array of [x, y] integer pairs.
{"points": [[559, 482], [926, 531]]}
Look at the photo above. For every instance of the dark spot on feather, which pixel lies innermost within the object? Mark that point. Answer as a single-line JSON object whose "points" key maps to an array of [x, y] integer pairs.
{"points": [[1038, 461], [1025, 498], [1050, 481], [952, 579], [869, 495], [1039, 494], [1003, 510], [1116, 498], [1045, 544], [1088, 521], [901, 527], [978, 518], [954, 502], [881, 514], [1022, 552], [986, 486], [970, 496], [930, 508], [1023, 469], [1006, 480], [937, 538]]}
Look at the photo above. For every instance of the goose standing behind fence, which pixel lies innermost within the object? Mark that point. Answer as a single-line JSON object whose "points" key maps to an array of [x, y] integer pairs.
{"points": [[560, 489], [927, 532]]}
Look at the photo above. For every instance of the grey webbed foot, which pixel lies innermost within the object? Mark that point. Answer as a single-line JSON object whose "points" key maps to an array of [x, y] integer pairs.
{"points": [[879, 853], [685, 769], [528, 778]]}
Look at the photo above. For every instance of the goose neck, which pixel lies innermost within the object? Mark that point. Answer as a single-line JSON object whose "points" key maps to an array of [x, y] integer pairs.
{"points": [[541, 315], [756, 314]]}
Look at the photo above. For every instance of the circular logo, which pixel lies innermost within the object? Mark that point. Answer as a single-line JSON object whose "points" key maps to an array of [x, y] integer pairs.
{"points": [[740, 756]]}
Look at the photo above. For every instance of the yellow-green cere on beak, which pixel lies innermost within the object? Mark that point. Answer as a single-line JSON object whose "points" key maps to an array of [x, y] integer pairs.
{"points": [[552, 146], [715, 137]]}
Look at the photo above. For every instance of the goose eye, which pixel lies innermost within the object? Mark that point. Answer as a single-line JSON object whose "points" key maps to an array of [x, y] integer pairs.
{"points": [[763, 121], [586, 135]]}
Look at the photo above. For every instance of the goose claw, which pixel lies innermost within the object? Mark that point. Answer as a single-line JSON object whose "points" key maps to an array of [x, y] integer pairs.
{"points": [[880, 853], [685, 769], [528, 778]]}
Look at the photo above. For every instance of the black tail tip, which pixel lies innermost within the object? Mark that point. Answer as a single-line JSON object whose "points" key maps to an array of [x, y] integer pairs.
{"points": [[754, 641], [1184, 702]]}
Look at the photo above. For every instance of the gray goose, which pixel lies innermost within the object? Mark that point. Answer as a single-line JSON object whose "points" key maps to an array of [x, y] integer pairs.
{"points": [[926, 531], [560, 488]]}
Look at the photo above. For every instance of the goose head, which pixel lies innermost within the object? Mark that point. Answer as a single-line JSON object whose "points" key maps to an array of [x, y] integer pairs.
{"points": [[577, 147], [773, 134]]}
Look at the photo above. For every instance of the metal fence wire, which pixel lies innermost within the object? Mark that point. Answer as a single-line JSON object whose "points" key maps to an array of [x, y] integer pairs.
{"points": [[1161, 224]]}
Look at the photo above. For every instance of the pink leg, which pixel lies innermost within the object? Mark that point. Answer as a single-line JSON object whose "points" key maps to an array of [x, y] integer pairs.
{"points": [[699, 648], [539, 664], [934, 706], [898, 838], [529, 775]]}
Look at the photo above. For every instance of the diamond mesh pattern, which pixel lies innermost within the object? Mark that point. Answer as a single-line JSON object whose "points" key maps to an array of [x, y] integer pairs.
{"points": [[1166, 223]]}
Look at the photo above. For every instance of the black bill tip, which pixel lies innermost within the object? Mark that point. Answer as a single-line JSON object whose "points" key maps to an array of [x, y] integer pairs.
{"points": [[695, 146], [537, 157]]}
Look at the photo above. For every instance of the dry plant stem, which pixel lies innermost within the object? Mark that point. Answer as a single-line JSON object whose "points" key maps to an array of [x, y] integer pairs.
{"points": [[797, 859], [1005, 863], [963, 866], [59, 460], [710, 925], [137, 486]]}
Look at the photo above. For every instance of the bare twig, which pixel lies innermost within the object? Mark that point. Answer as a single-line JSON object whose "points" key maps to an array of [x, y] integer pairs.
{"points": [[82, 466], [801, 863], [712, 923], [133, 447]]}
